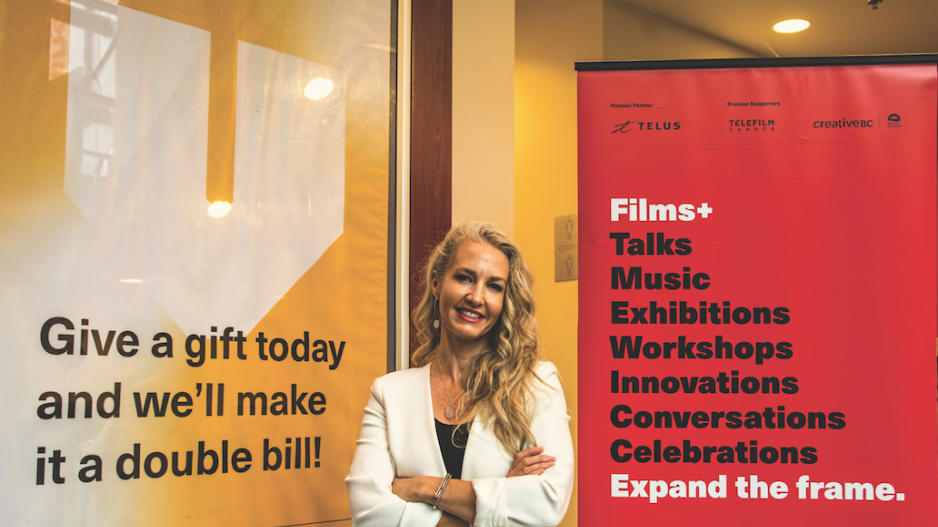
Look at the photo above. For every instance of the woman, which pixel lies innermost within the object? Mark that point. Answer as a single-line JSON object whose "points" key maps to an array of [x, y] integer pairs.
{"points": [[478, 433]]}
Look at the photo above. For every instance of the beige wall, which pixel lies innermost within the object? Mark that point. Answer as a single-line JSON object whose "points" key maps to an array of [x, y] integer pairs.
{"points": [[631, 33], [550, 35], [483, 104]]}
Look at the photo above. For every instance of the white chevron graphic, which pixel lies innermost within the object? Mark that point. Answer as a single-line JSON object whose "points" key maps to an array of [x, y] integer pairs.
{"points": [[136, 150]]}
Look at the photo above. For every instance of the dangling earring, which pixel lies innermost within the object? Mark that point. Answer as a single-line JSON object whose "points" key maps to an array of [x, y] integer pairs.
{"points": [[436, 307]]}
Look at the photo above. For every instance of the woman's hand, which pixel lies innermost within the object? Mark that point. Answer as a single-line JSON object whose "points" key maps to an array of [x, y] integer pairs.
{"points": [[415, 489], [530, 462]]}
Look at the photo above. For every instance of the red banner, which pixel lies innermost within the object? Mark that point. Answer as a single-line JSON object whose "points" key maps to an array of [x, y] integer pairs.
{"points": [[758, 296]]}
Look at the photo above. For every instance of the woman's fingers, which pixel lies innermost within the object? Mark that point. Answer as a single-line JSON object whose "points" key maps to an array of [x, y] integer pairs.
{"points": [[533, 451], [531, 462], [540, 466], [535, 469], [538, 460]]}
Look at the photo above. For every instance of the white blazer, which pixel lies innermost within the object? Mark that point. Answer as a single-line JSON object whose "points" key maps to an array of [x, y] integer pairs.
{"points": [[399, 439]]}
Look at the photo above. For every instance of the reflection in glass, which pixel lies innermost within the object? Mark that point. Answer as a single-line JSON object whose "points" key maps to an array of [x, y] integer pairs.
{"points": [[318, 88], [219, 209]]}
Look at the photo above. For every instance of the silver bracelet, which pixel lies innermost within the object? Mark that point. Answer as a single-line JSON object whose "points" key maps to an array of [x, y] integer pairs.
{"points": [[439, 491]]}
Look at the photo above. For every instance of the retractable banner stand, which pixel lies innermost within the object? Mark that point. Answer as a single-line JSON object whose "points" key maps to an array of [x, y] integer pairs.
{"points": [[757, 318], [193, 257]]}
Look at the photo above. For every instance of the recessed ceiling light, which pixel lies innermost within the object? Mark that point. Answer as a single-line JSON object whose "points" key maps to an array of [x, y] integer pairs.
{"points": [[791, 26]]}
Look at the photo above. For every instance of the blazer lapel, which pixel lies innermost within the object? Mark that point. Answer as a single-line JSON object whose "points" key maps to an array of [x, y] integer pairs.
{"points": [[484, 458], [423, 450]]}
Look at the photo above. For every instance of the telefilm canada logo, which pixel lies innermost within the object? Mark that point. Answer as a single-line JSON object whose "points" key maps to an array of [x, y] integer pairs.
{"points": [[646, 126], [752, 125]]}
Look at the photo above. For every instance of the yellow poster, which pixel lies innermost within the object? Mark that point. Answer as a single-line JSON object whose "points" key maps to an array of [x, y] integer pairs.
{"points": [[193, 257]]}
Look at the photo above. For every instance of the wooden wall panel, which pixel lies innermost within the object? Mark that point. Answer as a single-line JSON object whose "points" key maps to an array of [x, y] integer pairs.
{"points": [[431, 134]]}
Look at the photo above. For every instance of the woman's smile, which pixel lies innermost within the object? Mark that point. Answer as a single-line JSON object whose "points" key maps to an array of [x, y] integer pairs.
{"points": [[469, 315]]}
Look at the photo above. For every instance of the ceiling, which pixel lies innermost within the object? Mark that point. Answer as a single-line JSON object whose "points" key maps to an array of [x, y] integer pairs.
{"points": [[838, 27]]}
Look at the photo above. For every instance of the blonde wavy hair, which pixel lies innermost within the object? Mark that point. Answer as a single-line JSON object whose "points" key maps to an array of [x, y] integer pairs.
{"points": [[499, 384]]}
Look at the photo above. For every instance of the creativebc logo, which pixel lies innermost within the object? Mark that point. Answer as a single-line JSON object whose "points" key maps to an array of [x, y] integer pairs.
{"points": [[845, 123]]}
